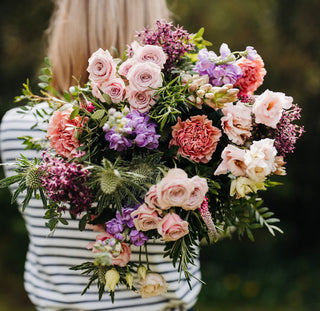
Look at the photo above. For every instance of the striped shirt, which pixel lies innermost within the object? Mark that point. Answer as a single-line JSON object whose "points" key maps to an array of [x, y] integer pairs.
{"points": [[49, 282]]}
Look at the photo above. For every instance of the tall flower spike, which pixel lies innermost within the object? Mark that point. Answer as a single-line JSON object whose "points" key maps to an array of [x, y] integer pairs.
{"points": [[207, 218]]}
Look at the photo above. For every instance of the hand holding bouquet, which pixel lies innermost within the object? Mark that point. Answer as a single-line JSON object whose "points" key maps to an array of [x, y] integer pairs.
{"points": [[169, 142]]}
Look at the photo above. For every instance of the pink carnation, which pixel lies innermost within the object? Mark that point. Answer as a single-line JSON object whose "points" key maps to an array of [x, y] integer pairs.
{"points": [[268, 107], [101, 67], [197, 138], [237, 122], [253, 72], [232, 161], [61, 132]]}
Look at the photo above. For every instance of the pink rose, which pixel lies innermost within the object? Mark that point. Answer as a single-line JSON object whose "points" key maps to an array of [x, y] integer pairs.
{"points": [[150, 53], [253, 72], [268, 107], [151, 198], [115, 88], [145, 218], [100, 237], [175, 189], [122, 259], [154, 284], [141, 100], [196, 137], [61, 132], [125, 66], [236, 122], [172, 227], [232, 161], [198, 194], [144, 76], [101, 67]]}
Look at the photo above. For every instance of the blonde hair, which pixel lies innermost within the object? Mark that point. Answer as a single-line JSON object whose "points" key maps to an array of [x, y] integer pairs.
{"points": [[80, 27]]}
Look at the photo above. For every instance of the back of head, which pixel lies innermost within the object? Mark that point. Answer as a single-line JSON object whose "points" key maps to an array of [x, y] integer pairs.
{"points": [[80, 27]]}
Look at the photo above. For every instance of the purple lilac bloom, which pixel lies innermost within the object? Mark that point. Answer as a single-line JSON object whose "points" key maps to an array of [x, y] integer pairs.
{"points": [[137, 238], [65, 184], [175, 41], [205, 64], [224, 51], [114, 226]]}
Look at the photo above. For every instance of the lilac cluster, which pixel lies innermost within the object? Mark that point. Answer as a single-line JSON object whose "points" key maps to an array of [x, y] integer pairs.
{"points": [[66, 182], [287, 133], [221, 70], [137, 130], [123, 225], [175, 41]]}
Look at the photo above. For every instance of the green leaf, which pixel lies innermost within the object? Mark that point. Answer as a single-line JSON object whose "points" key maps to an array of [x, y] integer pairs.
{"points": [[63, 221], [67, 96], [44, 78], [74, 113], [99, 114]]}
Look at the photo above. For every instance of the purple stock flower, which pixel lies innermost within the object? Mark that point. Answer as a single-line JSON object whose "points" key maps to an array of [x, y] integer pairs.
{"points": [[114, 226], [126, 218], [251, 53], [140, 131], [137, 238], [117, 141], [225, 74]]}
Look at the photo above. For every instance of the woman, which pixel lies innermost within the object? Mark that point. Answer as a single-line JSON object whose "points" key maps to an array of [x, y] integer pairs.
{"points": [[77, 29]]}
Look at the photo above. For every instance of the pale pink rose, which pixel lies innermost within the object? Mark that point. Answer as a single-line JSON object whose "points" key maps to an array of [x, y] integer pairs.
{"points": [[141, 100], [232, 161], [154, 284], [268, 107], [115, 88], [145, 218], [101, 67], [198, 194], [151, 198], [260, 159], [144, 76], [237, 122], [122, 259], [150, 53], [61, 132], [125, 66], [172, 227], [174, 190], [96, 92]]}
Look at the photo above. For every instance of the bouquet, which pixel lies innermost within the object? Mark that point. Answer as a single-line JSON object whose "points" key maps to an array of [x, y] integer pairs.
{"points": [[170, 142]]}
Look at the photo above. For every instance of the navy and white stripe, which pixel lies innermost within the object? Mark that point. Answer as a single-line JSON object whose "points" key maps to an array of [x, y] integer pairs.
{"points": [[49, 282]]}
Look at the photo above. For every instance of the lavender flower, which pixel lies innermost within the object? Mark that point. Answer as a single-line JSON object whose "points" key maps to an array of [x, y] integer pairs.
{"points": [[126, 218], [175, 41], [225, 74], [137, 238], [65, 182], [251, 53], [117, 140]]}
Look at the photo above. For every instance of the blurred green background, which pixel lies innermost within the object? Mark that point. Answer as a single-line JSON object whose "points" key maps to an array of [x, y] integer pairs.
{"points": [[279, 273]]}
